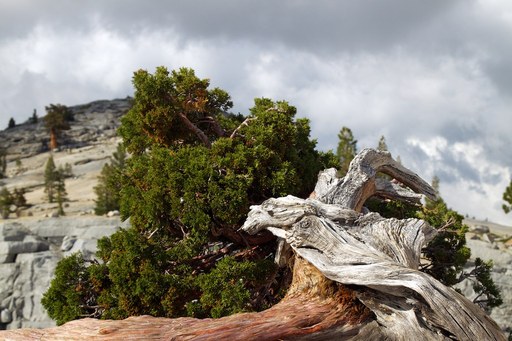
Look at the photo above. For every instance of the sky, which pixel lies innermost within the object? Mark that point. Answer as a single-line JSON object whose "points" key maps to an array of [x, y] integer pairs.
{"points": [[433, 77]]}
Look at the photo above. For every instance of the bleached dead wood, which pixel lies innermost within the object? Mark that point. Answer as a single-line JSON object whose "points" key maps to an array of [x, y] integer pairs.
{"points": [[379, 256]]}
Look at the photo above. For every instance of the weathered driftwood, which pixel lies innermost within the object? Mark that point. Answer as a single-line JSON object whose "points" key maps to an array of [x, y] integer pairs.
{"points": [[380, 256], [355, 274]]}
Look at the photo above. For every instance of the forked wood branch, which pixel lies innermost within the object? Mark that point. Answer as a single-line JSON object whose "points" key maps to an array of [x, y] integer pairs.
{"points": [[379, 256]]}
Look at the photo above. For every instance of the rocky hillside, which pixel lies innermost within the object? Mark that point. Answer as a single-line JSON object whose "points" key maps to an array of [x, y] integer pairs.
{"points": [[490, 241], [36, 238], [32, 242]]}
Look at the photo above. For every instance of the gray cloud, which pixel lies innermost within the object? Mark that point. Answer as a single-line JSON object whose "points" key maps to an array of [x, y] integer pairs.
{"points": [[322, 25], [433, 77]]}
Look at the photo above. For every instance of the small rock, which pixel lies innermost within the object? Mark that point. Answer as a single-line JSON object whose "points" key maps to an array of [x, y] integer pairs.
{"points": [[114, 213], [19, 302], [486, 237], [54, 214], [479, 229], [6, 316], [6, 302], [67, 243]]}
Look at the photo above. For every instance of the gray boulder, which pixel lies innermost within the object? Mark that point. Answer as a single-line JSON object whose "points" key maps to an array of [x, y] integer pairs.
{"points": [[9, 250], [29, 252]]}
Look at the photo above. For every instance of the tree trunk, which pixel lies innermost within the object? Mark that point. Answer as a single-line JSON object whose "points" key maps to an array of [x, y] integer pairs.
{"points": [[355, 275], [53, 139]]}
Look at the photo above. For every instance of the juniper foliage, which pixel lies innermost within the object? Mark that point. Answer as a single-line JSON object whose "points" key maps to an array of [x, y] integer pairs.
{"points": [[194, 171]]}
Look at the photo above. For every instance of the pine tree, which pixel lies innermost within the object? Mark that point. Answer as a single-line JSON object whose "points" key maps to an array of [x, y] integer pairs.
{"points": [[56, 120], [33, 119], [382, 146], [435, 185], [60, 190], [507, 197], [346, 150], [109, 183], [448, 253], [6, 200], [19, 198], [12, 123], [50, 179], [3, 162]]}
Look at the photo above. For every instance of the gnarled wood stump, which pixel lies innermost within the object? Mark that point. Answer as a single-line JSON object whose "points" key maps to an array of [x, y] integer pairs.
{"points": [[355, 274]]}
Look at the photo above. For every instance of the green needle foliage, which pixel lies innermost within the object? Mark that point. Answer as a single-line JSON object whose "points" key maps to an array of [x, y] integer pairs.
{"points": [[194, 171], [109, 183], [67, 297], [3, 162], [488, 295], [56, 120], [507, 197], [54, 185], [6, 200], [346, 151], [50, 179], [12, 123], [447, 252], [60, 190]]}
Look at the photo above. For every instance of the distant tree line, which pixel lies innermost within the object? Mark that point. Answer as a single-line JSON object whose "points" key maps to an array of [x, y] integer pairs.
{"points": [[33, 119]]}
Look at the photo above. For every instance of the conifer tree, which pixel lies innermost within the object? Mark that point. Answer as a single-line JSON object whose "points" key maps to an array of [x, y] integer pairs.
{"points": [[507, 197], [346, 150], [60, 190], [56, 120], [12, 123], [3, 162], [109, 183], [34, 118], [382, 145], [19, 197], [6, 200], [50, 179]]}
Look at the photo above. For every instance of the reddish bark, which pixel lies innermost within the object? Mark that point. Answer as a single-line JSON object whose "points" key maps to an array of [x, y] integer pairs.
{"points": [[313, 306]]}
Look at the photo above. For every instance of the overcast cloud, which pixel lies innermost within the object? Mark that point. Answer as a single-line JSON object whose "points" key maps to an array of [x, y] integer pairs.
{"points": [[434, 77]]}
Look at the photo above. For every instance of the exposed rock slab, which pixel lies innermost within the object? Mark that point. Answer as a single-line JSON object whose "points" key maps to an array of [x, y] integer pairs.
{"points": [[29, 253]]}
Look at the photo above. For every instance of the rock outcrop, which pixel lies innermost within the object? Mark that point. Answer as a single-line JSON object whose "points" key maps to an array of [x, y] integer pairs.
{"points": [[492, 242], [29, 251], [93, 122]]}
